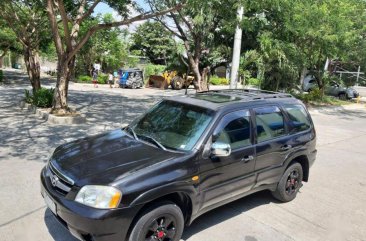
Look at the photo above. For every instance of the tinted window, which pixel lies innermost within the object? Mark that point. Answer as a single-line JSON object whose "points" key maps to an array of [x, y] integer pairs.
{"points": [[235, 130], [270, 123], [298, 117]]}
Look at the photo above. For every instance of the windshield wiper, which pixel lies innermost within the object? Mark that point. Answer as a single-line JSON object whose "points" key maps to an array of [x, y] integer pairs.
{"points": [[150, 139], [128, 128]]}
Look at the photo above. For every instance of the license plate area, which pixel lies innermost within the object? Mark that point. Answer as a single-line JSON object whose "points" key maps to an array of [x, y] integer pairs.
{"points": [[50, 204]]}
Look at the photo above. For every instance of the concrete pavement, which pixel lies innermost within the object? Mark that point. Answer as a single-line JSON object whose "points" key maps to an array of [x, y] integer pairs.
{"points": [[330, 207]]}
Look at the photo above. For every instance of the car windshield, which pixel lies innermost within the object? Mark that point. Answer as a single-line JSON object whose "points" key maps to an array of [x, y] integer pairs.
{"points": [[174, 125]]}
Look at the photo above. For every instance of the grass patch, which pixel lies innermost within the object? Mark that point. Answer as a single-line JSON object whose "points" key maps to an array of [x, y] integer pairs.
{"points": [[316, 98]]}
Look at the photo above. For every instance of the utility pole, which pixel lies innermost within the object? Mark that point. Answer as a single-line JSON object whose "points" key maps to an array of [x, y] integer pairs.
{"points": [[358, 74], [236, 51]]}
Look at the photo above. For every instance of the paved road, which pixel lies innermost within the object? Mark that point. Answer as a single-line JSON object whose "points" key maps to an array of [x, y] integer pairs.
{"points": [[330, 207]]}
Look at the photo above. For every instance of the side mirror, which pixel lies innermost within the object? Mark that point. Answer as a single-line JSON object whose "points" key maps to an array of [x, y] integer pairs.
{"points": [[220, 149]]}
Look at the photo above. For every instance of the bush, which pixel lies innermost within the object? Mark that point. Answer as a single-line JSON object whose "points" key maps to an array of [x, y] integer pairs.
{"points": [[1, 75], [42, 98], [152, 69], [215, 80], [254, 81], [102, 78], [28, 97], [84, 79]]}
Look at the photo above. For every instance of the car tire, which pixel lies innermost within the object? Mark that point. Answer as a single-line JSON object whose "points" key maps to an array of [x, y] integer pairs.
{"points": [[134, 86], [342, 96], [153, 222], [290, 183]]}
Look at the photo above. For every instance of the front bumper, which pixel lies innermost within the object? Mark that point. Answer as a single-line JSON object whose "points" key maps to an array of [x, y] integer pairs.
{"points": [[87, 223]]}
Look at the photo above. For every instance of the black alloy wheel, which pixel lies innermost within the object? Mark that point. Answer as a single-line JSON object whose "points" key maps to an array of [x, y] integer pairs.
{"points": [[290, 183], [162, 229], [160, 222], [293, 182]]}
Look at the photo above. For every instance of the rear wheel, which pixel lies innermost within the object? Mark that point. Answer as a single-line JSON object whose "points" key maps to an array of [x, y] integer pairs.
{"points": [[290, 183], [163, 223], [342, 96]]}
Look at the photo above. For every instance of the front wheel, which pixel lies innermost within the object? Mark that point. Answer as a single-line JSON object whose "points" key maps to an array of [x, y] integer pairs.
{"points": [[342, 96], [163, 223], [290, 183]]}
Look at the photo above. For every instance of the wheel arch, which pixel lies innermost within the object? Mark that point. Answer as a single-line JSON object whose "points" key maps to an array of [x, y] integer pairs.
{"points": [[304, 162], [181, 199]]}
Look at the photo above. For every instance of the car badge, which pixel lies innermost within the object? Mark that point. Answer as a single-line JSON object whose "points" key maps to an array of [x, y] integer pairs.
{"points": [[54, 180]]}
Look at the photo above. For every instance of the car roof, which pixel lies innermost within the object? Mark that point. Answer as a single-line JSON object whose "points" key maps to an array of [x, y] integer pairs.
{"points": [[231, 98]]}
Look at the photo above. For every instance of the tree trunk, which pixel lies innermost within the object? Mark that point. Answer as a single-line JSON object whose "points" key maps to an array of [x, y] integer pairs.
{"points": [[2, 57], [199, 83], [31, 59], [60, 95], [303, 75], [205, 79], [197, 75]]}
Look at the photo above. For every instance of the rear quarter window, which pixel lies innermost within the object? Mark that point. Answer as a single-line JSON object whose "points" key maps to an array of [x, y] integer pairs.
{"points": [[298, 117]]}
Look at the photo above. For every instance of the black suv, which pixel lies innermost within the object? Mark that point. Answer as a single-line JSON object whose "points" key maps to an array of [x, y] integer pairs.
{"points": [[184, 157]]}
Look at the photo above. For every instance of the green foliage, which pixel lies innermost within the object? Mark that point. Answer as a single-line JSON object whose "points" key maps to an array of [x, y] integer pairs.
{"points": [[28, 97], [84, 79], [1, 75], [102, 78], [42, 98], [215, 80], [254, 82], [109, 47], [152, 69], [152, 40], [316, 97]]}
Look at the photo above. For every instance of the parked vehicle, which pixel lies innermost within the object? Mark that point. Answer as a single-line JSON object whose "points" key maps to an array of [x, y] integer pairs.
{"points": [[170, 78], [185, 156], [333, 89], [337, 90], [131, 78]]}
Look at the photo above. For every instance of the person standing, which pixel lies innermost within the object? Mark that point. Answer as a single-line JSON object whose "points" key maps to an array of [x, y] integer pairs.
{"points": [[110, 80], [95, 79]]}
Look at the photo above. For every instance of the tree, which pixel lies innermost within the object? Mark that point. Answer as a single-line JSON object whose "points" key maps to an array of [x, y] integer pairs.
{"points": [[28, 21], [109, 47], [68, 39], [320, 30], [8, 40], [154, 41], [198, 26], [292, 36]]}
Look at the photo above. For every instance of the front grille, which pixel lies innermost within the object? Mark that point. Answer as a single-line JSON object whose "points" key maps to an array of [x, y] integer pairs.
{"points": [[60, 182]]}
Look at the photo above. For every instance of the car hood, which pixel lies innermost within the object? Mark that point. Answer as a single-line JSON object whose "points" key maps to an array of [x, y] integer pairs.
{"points": [[105, 158]]}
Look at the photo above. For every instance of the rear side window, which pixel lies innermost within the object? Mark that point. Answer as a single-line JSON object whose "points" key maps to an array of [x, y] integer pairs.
{"points": [[270, 123], [299, 119]]}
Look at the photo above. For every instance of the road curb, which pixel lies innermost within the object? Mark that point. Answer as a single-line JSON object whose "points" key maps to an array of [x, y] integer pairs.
{"points": [[53, 119]]}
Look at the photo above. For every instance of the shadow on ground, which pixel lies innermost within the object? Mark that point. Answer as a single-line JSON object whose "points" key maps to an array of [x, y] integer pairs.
{"points": [[221, 214]]}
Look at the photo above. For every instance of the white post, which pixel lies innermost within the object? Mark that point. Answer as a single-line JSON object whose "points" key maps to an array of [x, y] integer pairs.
{"points": [[358, 74], [236, 51]]}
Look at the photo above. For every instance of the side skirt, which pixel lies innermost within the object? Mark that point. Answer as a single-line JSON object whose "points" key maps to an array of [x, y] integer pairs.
{"points": [[271, 187]]}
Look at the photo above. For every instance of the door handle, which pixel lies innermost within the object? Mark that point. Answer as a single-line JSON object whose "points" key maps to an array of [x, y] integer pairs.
{"points": [[286, 147], [247, 159]]}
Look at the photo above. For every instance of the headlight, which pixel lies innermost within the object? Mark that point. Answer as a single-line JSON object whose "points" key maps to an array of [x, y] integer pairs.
{"points": [[102, 197]]}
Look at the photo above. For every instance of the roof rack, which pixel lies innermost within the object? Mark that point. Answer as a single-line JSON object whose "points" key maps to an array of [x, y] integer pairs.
{"points": [[253, 94]]}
